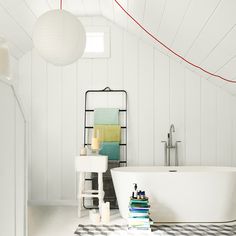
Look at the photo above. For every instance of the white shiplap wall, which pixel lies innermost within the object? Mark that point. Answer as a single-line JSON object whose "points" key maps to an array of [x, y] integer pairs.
{"points": [[160, 90], [13, 164]]}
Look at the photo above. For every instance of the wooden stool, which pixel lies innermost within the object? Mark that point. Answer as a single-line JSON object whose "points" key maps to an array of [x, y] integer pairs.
{"points": [[90, 164]]}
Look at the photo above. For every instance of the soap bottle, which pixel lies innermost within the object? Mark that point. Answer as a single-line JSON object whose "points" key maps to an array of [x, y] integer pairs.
{"points": [[144, 195], [135, 191]]}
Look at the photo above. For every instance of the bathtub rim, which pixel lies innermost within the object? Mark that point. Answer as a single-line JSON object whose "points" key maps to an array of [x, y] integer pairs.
{"points": [[175, 169]]}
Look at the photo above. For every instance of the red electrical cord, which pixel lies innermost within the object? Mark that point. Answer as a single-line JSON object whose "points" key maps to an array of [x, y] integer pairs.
{"points": [[172, 51]]}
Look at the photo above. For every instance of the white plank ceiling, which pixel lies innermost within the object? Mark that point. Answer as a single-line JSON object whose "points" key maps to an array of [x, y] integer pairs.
{"points": [[203, 31]]}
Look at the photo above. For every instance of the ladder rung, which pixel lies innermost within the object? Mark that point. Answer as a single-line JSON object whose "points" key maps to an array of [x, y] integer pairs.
{"points": [[92, 110], [121, 144], [90, 195], [91, 191], [91, 127]]}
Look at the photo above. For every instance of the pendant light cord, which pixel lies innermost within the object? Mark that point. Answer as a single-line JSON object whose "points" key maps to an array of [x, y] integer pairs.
{"points": [[171, 50], [60, 4]]}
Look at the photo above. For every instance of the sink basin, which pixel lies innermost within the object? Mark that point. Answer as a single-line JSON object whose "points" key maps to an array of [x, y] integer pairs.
{"points": [[91, 163]]}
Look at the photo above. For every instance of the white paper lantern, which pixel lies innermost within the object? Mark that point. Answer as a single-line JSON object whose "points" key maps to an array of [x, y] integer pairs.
{"points": [[4, 60], [59, 37]]}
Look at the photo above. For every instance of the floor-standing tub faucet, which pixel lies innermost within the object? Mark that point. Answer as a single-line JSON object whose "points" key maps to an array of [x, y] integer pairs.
{"points": [[170, 134], [168, 145]]}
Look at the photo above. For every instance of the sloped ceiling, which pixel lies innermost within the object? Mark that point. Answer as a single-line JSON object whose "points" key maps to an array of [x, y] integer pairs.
{"points": [[204, 31]]}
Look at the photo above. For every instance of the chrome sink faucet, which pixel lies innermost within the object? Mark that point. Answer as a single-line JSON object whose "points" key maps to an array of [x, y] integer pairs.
{"points": [[169, 145]]}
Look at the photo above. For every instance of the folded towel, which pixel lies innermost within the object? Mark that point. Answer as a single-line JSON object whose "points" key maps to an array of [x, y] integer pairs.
{"points": [[110, 149], [107, 133], [106, 116]]}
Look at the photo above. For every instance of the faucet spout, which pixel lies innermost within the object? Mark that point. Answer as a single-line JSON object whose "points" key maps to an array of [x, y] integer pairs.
{"points": [[172, 129]]}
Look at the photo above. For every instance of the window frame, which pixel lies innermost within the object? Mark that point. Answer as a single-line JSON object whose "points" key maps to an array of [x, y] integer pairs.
{"points": [[107, 48]]}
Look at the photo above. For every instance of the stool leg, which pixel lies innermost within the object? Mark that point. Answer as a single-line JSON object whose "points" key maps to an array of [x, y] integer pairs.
{"points": [[80, 191], [100, 190]]}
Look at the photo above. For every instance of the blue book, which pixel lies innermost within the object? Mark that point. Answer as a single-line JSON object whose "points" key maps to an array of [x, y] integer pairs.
{"points": [[141, 201], [139, 206], [131, 209]]}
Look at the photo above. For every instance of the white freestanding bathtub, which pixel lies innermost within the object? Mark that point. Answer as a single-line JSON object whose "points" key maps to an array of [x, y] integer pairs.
{"points": [[180, 194]]}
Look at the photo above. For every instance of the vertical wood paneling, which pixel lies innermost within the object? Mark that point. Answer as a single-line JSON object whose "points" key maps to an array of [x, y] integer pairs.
{"points": [[54, 132], [7, 159], [208, 123], [131, 57], [84, 83], [20, 171], [24, 90], [115, 63], [177, 90], [12, 168], [160, 92], [99, 81], [115, 67], [233, 103], [224, 127], [161, 104], [39, 128], [192, 119], [14, 64], [99, 73], [68, 145], [146, 111]]}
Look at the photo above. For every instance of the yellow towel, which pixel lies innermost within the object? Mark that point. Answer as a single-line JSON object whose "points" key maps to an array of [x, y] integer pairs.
{"points": [[107, 133]]}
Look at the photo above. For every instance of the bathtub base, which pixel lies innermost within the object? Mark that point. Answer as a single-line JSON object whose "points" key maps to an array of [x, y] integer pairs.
{"points": [[189, 195]]}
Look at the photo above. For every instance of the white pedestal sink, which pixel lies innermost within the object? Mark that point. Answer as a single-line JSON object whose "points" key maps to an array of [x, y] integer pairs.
{"points": [[91, 163], [88, 164]]}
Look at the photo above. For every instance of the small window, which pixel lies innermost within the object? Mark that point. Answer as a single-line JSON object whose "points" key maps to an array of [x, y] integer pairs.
{"points": [[97, 42]]}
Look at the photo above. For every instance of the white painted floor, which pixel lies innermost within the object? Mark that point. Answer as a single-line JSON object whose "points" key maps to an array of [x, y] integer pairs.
{"points": [[60, 221], [63, 221]]}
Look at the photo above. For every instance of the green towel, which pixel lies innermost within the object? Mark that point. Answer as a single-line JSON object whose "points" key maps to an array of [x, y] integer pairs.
{"points": [[110, 149], [106, 116], [107, 133]]}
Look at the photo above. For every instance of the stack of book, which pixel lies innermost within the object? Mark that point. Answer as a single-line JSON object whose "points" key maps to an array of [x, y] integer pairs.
{"points": [[139, 214]]}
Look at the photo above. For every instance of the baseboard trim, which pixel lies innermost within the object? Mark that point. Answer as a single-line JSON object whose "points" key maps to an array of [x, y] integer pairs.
{"points": [[53, 203]]}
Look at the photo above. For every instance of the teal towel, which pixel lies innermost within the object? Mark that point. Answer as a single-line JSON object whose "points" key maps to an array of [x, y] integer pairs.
{"points": [[110, 149], [106, 116]]}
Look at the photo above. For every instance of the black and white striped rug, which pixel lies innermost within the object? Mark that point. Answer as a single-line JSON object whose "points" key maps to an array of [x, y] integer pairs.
{"points": [[183, 230]]}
